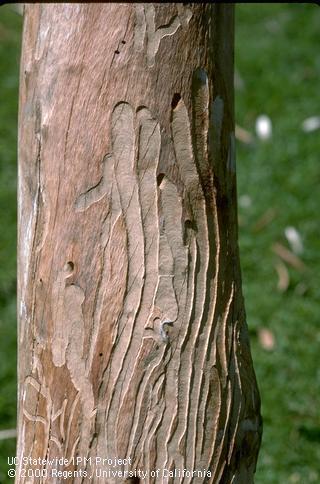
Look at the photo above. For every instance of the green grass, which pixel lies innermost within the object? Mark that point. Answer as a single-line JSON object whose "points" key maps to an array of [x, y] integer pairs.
{"points": [[278, 61], [10, 35]]}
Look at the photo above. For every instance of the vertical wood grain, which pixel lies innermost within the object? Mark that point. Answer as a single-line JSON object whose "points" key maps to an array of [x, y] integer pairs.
{"points": [[132, 333]]}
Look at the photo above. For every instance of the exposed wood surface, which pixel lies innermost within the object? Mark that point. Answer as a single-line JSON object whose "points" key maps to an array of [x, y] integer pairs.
{"points": [[132, 334]]}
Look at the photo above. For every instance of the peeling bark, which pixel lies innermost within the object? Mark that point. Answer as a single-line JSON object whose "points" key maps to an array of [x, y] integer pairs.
{"points": [[132, 336]]}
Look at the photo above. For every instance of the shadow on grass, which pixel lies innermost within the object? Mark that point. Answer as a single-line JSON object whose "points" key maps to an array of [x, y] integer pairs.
{"points": [[312, 434]]}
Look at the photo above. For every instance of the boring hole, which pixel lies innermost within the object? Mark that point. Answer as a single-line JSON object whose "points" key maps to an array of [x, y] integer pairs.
{"points": [[175, 100], [189, 224], [123, 41], [69, 267], [100, 354], [117, 51], [160, 178]]}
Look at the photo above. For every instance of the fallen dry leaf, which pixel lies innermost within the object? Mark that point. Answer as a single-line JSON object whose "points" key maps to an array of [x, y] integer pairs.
{"points": [[283, 276], [266, 339], [265, 219], [243, 135], [8, 434], [288, 256]]}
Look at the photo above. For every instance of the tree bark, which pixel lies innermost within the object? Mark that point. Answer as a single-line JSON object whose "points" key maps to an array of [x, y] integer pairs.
{"points": [[133, 343]]}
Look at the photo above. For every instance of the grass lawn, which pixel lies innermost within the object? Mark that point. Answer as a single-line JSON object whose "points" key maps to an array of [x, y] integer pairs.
{"points": [[278, 72], [10, 34]]}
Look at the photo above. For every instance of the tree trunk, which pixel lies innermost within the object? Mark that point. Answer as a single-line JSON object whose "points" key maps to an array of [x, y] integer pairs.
{"points": [[133, 344]]}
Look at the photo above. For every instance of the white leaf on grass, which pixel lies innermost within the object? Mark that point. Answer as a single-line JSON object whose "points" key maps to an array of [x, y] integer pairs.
{"points": [[294, 239], [311, 124], [245, 201], [263, 127]]}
